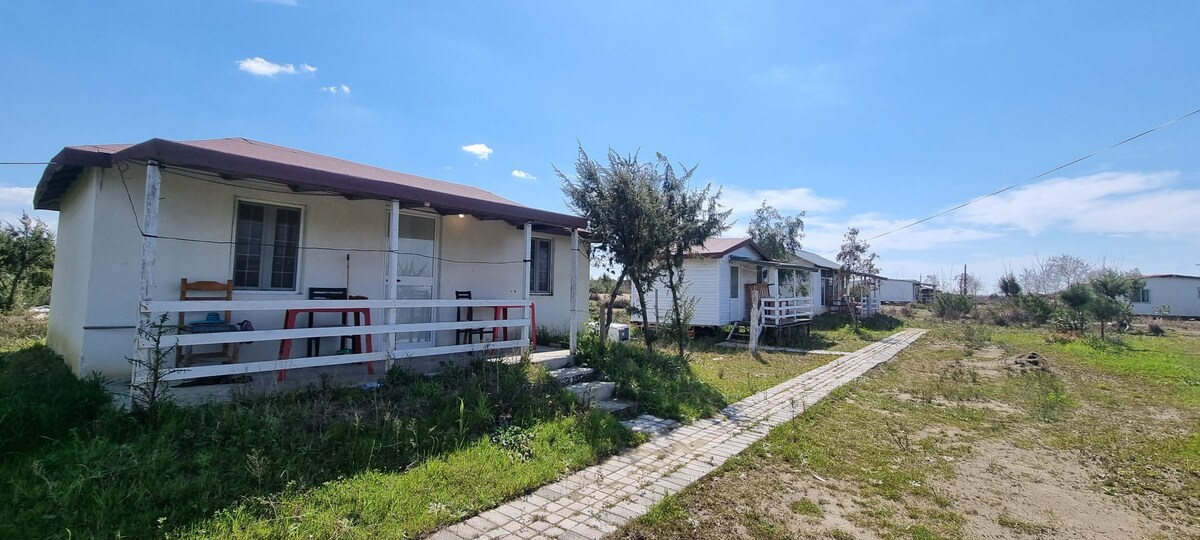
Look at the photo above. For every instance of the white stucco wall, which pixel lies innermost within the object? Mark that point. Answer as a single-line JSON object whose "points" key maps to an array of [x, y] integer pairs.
{"points": [[1181, 293], [97, 272], [72, 269]]}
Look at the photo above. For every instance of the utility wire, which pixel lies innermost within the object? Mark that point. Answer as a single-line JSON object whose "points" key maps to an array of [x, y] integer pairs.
{"points": [[121, 168], [1033, 178], [26, 163]]}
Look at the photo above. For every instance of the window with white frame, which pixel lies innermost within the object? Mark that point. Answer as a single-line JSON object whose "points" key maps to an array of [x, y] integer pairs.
{"points": [[541, 276], [266, 251], [734, 279], [1142, 296]]}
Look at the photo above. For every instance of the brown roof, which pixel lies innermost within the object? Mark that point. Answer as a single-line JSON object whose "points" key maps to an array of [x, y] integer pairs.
{"points": [[715, 248], [1170, 276], [245, 158]]}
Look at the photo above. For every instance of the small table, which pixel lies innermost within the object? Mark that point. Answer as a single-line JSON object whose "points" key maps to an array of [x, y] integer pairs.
{"points": [[500, 313], [362, 317]]}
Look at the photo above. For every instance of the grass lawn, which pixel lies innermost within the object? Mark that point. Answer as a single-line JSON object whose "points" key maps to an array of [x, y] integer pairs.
{"points": [[322, 463], [708, 380], [954, 441], [396, 462]]}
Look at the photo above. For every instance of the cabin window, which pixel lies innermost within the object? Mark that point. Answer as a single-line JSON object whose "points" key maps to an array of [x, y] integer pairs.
{"points": [[267, 247], [541, 275], [1142, 297], [733, 281]]}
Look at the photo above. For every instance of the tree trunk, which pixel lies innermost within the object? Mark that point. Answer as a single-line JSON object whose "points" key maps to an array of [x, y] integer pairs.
{"points": [[1102, 323], [647, 334], [675, 283], [9, 303], [606, 313]]}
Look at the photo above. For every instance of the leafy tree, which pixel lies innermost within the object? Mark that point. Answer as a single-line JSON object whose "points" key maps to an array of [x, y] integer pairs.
{"points": [[1076, 297], [778, 235], [1114, 292], [602, 284], [1104, 309], [856, 261], [1009, 286], [644, 219], [620, 202], [26, 260], [691, 217]]}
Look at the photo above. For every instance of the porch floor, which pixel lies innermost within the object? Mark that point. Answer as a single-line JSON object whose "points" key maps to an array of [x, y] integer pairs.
{"points": [[267, 382]]}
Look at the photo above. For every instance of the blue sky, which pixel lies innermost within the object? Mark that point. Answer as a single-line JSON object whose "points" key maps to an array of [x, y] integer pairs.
{"points": [[860, 113]]}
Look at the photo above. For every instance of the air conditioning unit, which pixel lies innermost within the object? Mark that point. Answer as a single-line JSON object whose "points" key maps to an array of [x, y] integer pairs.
{"points": [[618, 332]]}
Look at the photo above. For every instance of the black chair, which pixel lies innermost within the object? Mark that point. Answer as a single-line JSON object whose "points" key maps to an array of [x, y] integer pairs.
{"points": [[326, 293], [466, 333]]}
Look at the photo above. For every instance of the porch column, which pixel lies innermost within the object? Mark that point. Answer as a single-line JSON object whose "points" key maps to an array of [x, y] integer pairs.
{"points": [[393, 274], [149, 234], [528, 270], [574, 331]]}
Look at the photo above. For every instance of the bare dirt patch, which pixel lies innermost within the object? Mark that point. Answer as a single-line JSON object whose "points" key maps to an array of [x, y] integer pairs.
{"points": [[1009, 492]]}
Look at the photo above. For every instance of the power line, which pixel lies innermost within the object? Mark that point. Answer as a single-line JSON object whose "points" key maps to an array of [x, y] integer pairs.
{"points": [[26, 163], [121, 168], [1031, 179]]}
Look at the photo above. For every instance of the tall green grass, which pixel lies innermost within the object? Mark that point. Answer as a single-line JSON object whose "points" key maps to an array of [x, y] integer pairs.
{"points": [[75, 466]]}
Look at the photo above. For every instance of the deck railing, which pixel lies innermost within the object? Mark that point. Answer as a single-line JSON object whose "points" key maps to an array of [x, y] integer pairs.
{"points": [[524, 325], [785, 311]]}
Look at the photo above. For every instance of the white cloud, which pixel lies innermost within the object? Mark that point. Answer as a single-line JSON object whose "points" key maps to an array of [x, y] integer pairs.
{"points": [[17, 199], [518, 173], [1104, 203], [791, 200], [16, 196], [336, 89], [265, 68], [825, 235], [479, 150]]}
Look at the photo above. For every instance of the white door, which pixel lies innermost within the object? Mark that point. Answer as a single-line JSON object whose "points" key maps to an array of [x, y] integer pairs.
{"points": [[735, 293], [417, 271]]}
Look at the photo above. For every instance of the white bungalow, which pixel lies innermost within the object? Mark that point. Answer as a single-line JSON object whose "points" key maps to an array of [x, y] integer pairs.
{"points": [[279, 226], [824, 282], [720, 275], [1174, 294]]}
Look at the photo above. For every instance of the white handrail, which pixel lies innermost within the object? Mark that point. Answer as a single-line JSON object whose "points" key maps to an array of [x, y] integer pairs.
{"points": [[234, 336], [171, 306], [777, 311], [523, 325]]}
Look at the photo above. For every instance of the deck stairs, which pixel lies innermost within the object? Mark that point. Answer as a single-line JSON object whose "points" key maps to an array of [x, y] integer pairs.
{"points": [[739, 332], [584, 382]]}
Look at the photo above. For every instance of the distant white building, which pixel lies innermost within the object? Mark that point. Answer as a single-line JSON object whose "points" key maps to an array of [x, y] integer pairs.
{"points": [[1181, 293], [899, 291], [720, 274]]}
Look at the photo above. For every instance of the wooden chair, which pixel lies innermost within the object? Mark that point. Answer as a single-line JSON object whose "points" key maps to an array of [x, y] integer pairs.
{"points": [[206, 290], [467, 333]]}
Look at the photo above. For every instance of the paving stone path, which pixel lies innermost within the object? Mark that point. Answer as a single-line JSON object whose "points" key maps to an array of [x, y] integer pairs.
{"points": [[597, 500]]}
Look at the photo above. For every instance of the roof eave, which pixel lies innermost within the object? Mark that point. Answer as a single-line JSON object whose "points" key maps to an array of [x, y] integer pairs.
{"points": [[183, 155]]}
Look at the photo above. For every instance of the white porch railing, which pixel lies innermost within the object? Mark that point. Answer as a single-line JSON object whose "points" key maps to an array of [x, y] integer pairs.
{"points": [[785, 311], [524, 324], [870, 306]]}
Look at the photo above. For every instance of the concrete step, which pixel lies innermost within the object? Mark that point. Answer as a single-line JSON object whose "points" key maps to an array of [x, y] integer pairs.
{"points": [[592, 392], [621, 409], [573, 374], [552, 360]]}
